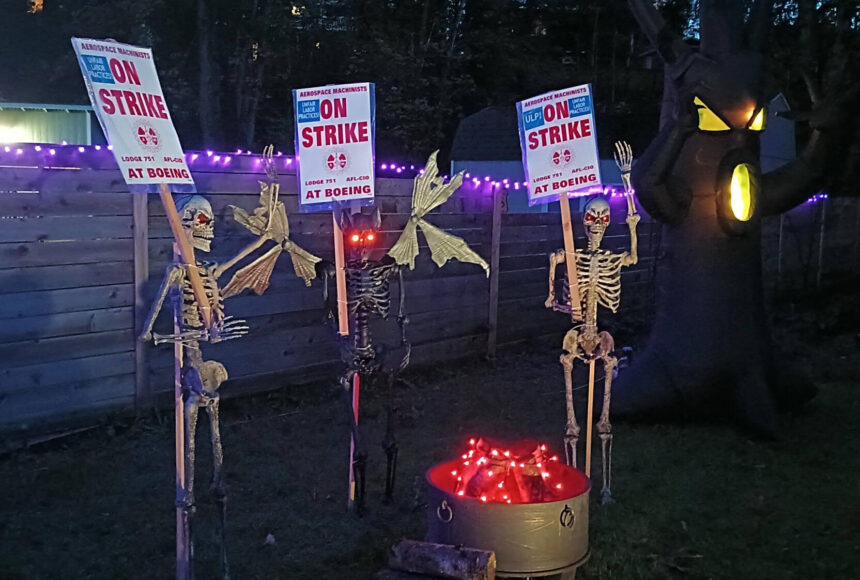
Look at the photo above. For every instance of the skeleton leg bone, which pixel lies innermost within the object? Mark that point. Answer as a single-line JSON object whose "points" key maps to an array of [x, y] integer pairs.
{"points": [[604, 429], [192, 408], [349, 381], [571, 432], [389, 442], [212, 374], [217, 488]]}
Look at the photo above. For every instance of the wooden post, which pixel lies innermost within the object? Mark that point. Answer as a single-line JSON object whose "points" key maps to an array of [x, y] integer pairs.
{"points": [[186, 251], [495, 250], [589, 419], [142, 394], [570, 258], [340, 279], [183, 530]]}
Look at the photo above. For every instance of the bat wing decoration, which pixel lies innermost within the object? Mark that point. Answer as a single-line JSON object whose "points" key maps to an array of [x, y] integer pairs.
{"points": [[429, 192], [272, 216]]}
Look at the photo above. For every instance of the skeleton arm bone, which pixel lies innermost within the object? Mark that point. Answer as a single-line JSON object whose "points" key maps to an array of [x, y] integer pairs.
{"points": [[221, 268], [632, 257], [172, 279], [555, 259]]}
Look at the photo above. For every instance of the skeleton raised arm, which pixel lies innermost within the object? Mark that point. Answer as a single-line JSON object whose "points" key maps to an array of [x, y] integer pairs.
{"points": [[624, 160]]}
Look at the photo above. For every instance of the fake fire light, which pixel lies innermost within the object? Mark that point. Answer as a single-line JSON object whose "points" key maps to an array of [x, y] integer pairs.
{"points": [[523, 473], [519, 501]]}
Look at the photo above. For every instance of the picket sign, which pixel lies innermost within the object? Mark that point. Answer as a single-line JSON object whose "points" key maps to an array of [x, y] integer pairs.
{"points": [[335, 137], [126, 95]]}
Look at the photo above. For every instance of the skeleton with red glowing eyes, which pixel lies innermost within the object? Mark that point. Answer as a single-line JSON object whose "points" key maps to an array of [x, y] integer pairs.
{"points": [[369, 295], [598, 277]]}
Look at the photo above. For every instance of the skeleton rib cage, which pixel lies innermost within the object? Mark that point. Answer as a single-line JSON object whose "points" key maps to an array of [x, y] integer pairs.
{"points": [[190, 311], [606, 267]]}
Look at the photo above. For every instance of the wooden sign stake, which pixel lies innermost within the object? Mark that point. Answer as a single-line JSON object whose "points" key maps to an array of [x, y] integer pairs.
{"points": [[589, 419], [576, 313], [183, 531], [570, 258], [340, 279], [343, 330]]}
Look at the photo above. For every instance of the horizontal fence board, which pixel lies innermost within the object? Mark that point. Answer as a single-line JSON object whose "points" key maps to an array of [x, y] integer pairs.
{"points": [[48, 253], [64, 204], [68, 276], [51, 373], [66, 323], [49, 228], [90, 396], [14, 354], [36, 303]]}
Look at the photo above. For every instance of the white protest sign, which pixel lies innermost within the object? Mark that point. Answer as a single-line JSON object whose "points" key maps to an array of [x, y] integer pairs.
{"points": [[559, 143], [335, 129], [128, 101]]}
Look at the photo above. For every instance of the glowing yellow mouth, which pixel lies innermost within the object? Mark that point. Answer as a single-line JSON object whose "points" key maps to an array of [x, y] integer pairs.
{"points": [[740, 200]]}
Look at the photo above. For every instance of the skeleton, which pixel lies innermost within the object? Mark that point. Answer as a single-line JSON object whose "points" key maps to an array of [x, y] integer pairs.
{"points": [[599, 283], [369, 295], [201, 379]]}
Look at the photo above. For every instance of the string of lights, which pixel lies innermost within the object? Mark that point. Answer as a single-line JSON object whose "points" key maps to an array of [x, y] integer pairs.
{"points": [[385, 169]]}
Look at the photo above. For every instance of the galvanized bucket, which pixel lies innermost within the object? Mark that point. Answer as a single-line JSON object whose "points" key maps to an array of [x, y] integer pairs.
{"points": [[533, 539]]}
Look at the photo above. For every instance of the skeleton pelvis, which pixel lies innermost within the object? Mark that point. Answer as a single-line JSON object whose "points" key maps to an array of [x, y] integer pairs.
{"points": [[589, 344]]}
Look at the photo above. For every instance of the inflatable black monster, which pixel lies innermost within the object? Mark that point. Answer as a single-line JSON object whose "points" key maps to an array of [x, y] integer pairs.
{"points": [[710, 351]]}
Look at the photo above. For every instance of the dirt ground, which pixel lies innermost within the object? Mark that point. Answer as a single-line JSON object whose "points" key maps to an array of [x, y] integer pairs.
{"points": [[699, 501]]}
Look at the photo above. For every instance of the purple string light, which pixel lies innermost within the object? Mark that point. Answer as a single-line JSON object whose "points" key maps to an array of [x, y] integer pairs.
{"points": [[609, 191]]}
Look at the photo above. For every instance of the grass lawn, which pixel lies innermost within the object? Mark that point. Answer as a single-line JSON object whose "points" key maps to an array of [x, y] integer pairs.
{"points": [[691, 501]]}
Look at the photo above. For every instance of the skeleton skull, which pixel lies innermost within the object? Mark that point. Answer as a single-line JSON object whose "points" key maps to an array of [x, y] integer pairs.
{"points": [[198, 220], [595, 218], [361, 230]]}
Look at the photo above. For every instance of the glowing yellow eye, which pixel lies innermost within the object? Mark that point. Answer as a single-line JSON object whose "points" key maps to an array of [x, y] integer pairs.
{"points": [[757, 123], [708, 120], [740, 200]]}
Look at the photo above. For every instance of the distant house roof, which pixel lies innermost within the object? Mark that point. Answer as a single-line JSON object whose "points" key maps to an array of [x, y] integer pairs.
{"points": [[44, 107], [489, 135]]}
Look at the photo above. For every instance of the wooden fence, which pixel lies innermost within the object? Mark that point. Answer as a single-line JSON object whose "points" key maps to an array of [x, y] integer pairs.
{"points": [[81, 259]]}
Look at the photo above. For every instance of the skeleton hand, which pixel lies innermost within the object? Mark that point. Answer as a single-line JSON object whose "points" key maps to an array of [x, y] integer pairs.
{"points": [[623, 156], [227, 328], [268, 164]]}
